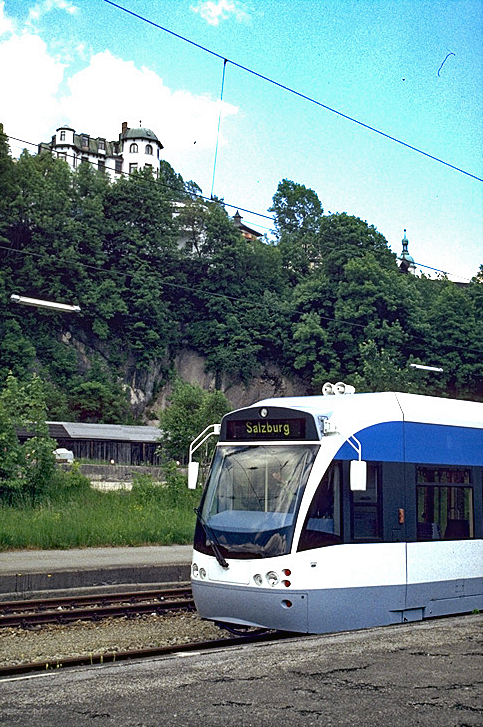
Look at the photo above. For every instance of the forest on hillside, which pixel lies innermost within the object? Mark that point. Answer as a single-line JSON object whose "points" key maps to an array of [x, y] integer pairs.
{"points": [[324, 300]]}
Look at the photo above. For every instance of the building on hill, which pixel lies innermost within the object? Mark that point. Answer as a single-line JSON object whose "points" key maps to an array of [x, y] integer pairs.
{"points": [[135, 149], [247, 232]]}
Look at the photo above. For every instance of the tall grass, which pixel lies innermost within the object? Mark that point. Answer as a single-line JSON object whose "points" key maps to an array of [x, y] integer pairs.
{"points": [[81, 517]]}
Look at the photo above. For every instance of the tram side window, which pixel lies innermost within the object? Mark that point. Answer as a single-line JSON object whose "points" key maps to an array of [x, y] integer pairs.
{"points": [[322, 525], [366, 518], [444, 513]]}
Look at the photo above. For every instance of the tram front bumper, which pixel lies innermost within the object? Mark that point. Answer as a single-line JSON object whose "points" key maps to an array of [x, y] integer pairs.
{"points": [[252, 606]]}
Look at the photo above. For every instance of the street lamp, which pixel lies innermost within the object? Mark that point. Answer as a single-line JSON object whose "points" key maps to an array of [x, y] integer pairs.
{"points": [[36, 303], [427, 368]]}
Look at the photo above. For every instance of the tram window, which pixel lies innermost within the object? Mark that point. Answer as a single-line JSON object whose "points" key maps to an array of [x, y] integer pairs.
{"points": [[322, 525], [444, 475], [444, 513], [366, 520]]}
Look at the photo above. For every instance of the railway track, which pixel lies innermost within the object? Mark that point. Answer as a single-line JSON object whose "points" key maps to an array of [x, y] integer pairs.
{"points": [[28, 614], [111, 657]]}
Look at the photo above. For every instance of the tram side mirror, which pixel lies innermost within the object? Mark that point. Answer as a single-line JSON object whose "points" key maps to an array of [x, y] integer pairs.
{"points": [[193, 468], [358, 475]]}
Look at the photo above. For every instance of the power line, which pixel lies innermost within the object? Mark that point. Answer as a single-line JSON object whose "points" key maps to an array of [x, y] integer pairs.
{"points": [[227, 204], [234, 299], [164, 184], [293, 91], [218, 130]]}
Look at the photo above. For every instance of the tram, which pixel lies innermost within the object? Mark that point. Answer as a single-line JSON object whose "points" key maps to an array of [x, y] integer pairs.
{"points": [[341, 511]]}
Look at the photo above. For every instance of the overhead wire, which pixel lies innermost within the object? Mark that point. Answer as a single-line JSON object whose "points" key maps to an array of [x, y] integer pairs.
{"points": [[165, 184], [232, 206], [293, 91], [219, 124], [224, 296]]}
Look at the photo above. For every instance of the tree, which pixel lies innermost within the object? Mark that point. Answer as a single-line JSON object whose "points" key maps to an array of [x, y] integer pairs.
{"points": [[382, 371], [7, 185], [29, 468], [297, 216], [190, 411], [455, 339], [344, 238]]}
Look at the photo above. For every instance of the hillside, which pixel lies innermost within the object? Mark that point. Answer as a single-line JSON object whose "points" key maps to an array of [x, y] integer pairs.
{"points": [[326, 301]]}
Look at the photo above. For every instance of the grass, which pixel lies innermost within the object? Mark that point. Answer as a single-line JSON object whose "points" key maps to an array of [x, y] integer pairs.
{"points": [[82, 517]]}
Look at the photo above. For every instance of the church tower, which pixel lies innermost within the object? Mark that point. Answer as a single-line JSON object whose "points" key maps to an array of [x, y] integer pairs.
{"points": [[406, 262]]}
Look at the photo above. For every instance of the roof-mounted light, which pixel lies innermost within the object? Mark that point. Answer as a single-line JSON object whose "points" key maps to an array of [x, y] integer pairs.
{"points": [[337, 389]]}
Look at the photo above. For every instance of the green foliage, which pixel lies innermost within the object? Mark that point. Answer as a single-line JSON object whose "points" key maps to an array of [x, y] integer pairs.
{"points": [[298, 218], [79, 516], [306, 304], [173, 492], [191, 410], [381, 371], [25, 469]]}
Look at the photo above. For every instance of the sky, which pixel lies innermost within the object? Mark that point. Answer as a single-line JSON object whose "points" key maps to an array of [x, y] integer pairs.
{"points": [[411, 69]]}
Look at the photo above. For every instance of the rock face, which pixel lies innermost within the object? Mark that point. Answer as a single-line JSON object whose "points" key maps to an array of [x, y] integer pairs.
{"points": [[146, 389], [269, 382]]}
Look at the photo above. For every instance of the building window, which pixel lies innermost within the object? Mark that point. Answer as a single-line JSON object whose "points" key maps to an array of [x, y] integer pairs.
{"points": [[84, 141], [133, 148], [133, 168], [101, 145], [149, 149], [62, 135], [149, 166], [118, 166], [101, 165], [85, 160], [62, 155]]}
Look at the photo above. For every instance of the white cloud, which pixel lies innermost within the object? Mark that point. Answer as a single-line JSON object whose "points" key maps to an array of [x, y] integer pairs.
{"points": [[214, 12], [41, 92], [29, 89], [110, 90]]}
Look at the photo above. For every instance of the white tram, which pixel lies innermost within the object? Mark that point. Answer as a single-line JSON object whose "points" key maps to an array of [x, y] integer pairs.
{"points": [[330, 513]]}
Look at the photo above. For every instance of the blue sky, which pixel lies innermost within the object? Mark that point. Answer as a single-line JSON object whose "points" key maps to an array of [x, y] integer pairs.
{"points": [[412, 69]]}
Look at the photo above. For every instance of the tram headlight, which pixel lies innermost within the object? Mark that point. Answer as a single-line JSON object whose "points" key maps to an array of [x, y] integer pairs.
{"points": [[195, 570], [258, 578], [272, 578], [202, 574]]}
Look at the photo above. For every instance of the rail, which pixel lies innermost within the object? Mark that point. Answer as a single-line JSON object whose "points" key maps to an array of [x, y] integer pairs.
{"points": [[95, 607]]}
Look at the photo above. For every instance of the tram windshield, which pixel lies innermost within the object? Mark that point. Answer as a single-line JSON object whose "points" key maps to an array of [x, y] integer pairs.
{"points": [[251, 499]]}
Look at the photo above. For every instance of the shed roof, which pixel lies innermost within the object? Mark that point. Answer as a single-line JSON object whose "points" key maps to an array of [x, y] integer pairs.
{"points": [[112, 432]]}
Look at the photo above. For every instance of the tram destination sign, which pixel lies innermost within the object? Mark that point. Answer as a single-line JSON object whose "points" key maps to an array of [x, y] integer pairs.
{"points": [[263, 429]]}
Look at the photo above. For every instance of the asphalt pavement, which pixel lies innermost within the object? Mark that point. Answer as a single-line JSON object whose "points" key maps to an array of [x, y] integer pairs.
{"points": [[424, 674]]}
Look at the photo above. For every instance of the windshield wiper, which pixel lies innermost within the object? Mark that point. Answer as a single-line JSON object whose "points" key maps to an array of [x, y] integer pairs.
{"points": [[212, 539]]}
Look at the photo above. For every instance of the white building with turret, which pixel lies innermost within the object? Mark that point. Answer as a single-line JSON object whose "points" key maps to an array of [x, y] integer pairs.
{"points": [[134, 150]]}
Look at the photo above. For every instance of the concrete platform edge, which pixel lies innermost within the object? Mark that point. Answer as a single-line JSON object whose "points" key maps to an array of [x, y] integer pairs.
{"points": [[23, 585]]}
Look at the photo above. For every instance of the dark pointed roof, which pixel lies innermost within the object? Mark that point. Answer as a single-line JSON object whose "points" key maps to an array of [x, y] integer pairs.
{"points": [[140, 133]]}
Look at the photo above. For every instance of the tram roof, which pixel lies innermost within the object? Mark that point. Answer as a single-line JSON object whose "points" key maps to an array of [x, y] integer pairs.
{"points": [[370, 408]]}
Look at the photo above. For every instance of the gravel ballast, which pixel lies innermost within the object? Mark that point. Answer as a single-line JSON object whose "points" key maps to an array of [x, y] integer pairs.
{"points": [[83, 638]]}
